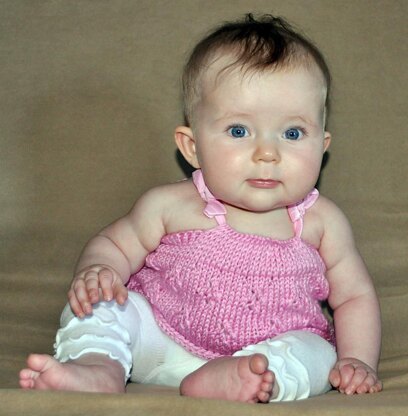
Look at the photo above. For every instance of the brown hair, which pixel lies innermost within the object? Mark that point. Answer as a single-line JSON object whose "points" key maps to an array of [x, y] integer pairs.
{"points": [[267, 43]]}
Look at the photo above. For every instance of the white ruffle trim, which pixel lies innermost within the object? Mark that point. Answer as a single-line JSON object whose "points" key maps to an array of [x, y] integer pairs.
{"points": [[94, 335]]}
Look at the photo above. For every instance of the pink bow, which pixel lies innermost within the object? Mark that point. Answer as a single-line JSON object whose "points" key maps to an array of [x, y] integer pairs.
{"points": [[214, 207], [297, 211]]}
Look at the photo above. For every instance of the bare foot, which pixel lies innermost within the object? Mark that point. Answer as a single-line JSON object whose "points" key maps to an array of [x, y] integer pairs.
{"points": [[91, 372], [245, 379]]}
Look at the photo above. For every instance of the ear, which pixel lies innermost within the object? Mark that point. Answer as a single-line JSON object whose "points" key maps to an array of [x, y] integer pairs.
{"points": [[186, 143], [326, 141]]}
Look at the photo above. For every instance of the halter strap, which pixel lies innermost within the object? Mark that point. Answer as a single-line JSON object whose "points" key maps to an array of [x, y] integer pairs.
{"points": [[297, 211], [214, 208]]}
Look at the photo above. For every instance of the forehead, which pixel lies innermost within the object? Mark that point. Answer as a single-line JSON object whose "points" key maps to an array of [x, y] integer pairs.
{"points": [[296, 83], [225, 64]]}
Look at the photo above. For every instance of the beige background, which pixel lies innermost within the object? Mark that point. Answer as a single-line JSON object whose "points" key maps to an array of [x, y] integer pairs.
{"points": [[89, 101]]}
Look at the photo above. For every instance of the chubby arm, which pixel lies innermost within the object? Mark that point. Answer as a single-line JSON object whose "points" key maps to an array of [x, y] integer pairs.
{"points": [[355, 304], [116, 252]]}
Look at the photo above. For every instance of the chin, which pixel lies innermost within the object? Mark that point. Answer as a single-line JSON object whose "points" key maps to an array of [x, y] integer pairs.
{"points": [[261, 207]]}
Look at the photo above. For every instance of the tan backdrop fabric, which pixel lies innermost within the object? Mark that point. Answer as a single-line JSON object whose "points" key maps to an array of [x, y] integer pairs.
{"points": [[90, 96]]}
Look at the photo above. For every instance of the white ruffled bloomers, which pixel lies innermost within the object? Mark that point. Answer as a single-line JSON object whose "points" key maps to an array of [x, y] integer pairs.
{"points": [[300, 360]]}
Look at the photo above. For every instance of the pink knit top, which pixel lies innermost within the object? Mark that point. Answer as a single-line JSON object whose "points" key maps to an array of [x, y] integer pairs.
{"points": [[216, 291]]}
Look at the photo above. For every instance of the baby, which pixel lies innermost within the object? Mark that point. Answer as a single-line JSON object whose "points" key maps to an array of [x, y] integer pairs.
{"points": [[214, 284]]}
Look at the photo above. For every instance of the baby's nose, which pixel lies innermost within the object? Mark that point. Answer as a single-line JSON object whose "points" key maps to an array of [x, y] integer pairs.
{"points": [[267, 150]]}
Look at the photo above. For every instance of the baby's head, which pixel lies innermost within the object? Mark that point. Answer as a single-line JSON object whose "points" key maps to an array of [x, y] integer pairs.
{"points": [[256, 95], [252, 46]]}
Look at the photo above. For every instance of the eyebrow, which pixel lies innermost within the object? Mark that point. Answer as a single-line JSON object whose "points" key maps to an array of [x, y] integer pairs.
{"points": [[304, 119], [232, 115]]}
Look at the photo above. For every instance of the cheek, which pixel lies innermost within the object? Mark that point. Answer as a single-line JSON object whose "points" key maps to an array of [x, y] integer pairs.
{"points": [[312, 167], [221, 169], [307, 163], [222, 158]]}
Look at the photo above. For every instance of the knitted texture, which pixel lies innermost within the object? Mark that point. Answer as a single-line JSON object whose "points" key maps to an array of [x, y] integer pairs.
{"points": [[216, 291]]}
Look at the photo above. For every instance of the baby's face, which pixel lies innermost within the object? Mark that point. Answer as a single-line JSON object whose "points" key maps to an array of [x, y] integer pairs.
{"points": [[260, 138]]}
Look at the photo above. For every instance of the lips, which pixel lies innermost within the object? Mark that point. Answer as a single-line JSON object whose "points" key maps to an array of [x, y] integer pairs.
{"points": [[263, 183]]}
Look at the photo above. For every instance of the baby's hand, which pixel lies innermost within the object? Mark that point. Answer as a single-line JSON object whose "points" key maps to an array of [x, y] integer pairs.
{"points": [[351, 376], [94, 284]]}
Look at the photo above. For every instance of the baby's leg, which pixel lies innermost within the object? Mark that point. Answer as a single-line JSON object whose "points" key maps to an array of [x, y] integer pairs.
{"points": [[245, 379], [301, 362], [92, 354]]}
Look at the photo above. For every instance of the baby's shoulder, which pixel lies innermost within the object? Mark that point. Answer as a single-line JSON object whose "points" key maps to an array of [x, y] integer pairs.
{"points": [[331, 220], [178, 206], [177, 193], [167, 200], [326, 209], [322, 219]]}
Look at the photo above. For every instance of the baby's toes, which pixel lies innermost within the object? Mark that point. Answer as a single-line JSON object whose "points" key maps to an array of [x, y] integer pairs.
{"points": [[267, 387], [26, 379], [264, 396]]}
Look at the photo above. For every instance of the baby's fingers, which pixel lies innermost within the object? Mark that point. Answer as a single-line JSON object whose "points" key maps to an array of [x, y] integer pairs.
{"points": [[92, 286], [367, 384], [120, 292], [78, 299], [370, 385], [359, 379], [346, 375], [335, 377], [106, 281], [378, 386]]}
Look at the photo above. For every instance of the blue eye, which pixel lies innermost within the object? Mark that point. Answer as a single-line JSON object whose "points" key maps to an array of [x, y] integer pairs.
{"points": [[293, 134], [238, 131]]}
